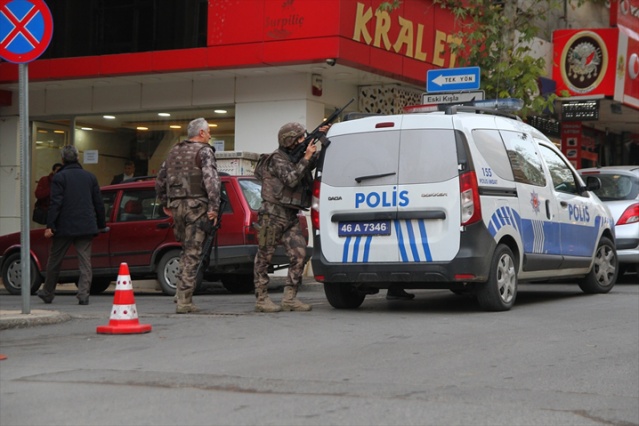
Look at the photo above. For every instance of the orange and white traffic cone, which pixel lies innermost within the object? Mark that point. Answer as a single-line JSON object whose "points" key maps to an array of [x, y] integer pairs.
{"points": [[124, 315]]}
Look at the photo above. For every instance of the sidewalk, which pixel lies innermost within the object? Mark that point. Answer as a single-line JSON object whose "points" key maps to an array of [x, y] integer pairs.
{"points": [[16, 319], [11, 315]]}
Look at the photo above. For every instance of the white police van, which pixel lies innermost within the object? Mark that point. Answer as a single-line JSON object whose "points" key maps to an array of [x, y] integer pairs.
{"points": [[465, 199]]}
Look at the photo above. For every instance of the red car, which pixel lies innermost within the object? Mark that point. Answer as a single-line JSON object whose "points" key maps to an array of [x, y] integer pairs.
{"points": [[142, 236]]}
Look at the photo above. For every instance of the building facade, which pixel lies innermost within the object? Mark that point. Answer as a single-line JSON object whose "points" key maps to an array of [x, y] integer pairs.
{"points": [[125, 82]]}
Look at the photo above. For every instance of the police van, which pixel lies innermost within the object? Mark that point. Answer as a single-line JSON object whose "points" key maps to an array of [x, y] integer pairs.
{"points": [[467, 199]]}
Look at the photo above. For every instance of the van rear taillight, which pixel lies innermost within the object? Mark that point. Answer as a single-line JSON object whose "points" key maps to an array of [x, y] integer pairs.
{"points": [[469, 198], [315, 205]]}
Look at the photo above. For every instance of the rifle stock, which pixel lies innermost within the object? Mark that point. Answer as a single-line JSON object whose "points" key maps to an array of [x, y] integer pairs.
{"points": [[298, 151]]}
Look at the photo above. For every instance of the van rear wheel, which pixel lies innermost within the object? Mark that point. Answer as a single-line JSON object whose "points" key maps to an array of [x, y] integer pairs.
{"points": [[500, 291], [343, 296]]}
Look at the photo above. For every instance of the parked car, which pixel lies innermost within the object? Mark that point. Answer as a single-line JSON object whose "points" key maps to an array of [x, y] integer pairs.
{"points": [[465, 199], [141, 235], [620, 192]]}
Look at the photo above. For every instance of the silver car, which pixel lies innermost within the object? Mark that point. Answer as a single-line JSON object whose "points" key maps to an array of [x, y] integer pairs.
{"points": [[620, 192]]}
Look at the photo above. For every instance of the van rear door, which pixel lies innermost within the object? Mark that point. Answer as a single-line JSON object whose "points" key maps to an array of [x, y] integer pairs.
{"points": [[428, 225], [358, 194]]}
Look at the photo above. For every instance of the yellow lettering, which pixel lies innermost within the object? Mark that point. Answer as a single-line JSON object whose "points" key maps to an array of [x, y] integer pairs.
{"points": [[405, 36], [361, 19], [440, 48], [419, 54], [453, 56], [382, 26]]}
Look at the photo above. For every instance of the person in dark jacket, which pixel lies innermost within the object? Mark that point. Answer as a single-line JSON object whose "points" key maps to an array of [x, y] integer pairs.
{"points": [[43, 193], [76, 215], [129, 173], [43, 190]]}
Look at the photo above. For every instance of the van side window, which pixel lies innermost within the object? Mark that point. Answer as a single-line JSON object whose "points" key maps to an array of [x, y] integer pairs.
{"points": [[524, 158], [562, 178], [492, 149]]}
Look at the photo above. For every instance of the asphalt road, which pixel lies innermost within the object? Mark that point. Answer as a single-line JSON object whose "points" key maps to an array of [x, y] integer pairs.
{"points": [[559, 357]]}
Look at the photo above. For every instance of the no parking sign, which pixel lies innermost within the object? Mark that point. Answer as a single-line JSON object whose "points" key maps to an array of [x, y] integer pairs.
{"points": [[26, 28]]}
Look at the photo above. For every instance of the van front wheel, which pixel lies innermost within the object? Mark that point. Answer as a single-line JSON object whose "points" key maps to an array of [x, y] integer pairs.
{"points": [[500, 291], [602, 276], [343, 296]]}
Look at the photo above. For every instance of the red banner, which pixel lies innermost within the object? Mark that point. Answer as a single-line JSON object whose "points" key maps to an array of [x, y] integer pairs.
{"points": [[627, 75], [625, 13]]}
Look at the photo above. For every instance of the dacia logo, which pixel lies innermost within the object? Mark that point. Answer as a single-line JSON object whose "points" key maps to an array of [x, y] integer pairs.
{"points": [[337, 198]]}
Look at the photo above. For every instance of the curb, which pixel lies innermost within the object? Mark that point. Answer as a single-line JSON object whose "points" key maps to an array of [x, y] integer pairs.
{"points": [[16, 319]]}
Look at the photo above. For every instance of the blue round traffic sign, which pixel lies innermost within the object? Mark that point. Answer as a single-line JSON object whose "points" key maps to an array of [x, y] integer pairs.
{"points": [[26, 28]]}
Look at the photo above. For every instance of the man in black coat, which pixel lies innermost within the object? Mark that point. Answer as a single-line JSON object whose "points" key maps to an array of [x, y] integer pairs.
{"points": [[129, 173], [76, 215]]}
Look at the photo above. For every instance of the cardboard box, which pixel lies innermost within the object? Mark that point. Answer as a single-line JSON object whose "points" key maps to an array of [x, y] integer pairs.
{"points": [[238, 163]]}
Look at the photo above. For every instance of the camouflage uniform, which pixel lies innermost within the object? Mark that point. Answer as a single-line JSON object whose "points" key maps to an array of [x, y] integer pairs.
{"points": [[189, 185], [286, 188]]}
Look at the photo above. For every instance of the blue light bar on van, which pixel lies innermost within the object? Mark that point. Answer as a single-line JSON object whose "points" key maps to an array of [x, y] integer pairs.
{"points": [[505, 104]]}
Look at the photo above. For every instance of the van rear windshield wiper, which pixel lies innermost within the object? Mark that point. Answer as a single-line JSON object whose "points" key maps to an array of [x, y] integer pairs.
{"points": [[361, 178]]}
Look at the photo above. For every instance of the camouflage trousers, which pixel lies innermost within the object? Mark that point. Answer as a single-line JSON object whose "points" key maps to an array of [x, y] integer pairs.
{"points": [[273, 230], [189, 225]]}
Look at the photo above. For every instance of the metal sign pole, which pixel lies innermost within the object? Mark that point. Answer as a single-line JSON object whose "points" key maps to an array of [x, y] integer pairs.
{"points": [[25, 177]]}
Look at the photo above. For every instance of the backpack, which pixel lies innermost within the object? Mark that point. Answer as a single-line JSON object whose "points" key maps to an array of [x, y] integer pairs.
{"points": [[262, 166]]}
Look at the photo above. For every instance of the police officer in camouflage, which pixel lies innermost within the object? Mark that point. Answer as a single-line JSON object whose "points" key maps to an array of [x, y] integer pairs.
{"points": [[286, 188], [189, 185]]}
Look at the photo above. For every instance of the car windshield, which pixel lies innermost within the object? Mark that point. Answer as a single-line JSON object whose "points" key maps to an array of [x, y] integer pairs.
{"points": [[252, 190], [615, 187]]}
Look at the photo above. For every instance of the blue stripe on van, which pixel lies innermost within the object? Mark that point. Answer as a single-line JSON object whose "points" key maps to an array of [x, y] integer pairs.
{"points": [[356, 248], [345, 252], [422, 230], [400, 242], [367, 247], [411, 240]]}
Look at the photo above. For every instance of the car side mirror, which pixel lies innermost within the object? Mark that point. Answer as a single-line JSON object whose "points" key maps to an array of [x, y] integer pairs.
{"points": [[593, 183]]}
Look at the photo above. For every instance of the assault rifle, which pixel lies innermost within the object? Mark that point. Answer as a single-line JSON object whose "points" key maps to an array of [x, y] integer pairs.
{"points": [[298, 151], [209, 242]]}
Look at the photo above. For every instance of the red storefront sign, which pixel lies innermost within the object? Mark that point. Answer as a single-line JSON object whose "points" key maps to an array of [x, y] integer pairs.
{"points": [[407, 41], [403, 44], [585, 61]]}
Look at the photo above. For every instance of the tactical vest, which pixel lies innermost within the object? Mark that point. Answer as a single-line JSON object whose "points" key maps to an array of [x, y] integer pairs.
{"points": [[184, 176], [274, 191]]}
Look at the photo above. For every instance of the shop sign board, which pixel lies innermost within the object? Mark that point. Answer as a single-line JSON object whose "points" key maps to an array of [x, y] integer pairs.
{"points": [[585, 61], [583, 110]]}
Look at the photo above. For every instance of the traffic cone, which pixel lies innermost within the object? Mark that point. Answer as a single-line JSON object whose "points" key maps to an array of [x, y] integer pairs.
{"points": [[124, 315]]}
